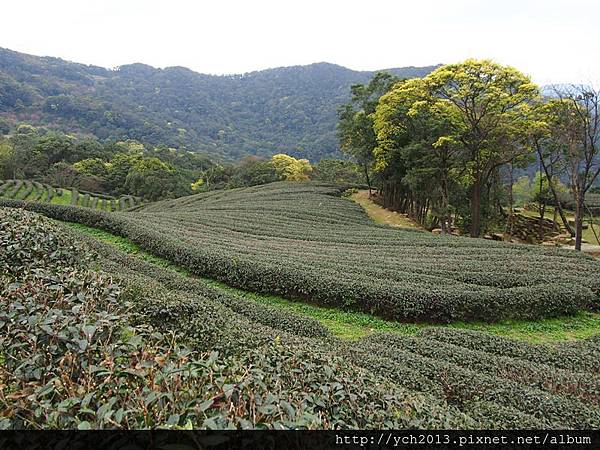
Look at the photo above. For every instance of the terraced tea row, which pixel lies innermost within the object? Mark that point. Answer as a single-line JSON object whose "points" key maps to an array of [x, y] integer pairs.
{"points": [[39, 192], [28, 190], [300, 375], [304, 241]]}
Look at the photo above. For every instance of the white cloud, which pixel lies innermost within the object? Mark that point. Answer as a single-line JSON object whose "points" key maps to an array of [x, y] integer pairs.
{"points": [[553, 40]]}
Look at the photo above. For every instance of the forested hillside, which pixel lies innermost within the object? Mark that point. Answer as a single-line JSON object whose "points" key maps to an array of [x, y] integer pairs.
{"points": [[289, 109]]}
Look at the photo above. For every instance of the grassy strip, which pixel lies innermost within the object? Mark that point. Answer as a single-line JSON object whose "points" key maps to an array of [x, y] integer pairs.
{"points": [[64, 199], [354, 325], [381, 215]]}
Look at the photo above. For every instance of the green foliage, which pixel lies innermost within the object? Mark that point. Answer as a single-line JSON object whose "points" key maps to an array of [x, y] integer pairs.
{"points": [[139, 351], [251, 172], [343, 324], [7, 159], [258, 113], [446, 135], [526, 190], [338, 171], [121, 168], [119, 362], [465, 373], [355, 127]]}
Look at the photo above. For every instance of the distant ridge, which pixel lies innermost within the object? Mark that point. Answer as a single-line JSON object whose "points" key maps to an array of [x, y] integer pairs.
{"points": [[284, 109]]}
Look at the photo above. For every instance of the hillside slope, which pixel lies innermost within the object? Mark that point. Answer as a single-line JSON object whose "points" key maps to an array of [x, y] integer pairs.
{"points": [[302, 241], [289, 109], [146, 347]]}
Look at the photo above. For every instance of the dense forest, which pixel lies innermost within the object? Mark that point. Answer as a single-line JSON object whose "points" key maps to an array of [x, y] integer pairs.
{"points": [[445, 148], [290, 109], [130, 168]]}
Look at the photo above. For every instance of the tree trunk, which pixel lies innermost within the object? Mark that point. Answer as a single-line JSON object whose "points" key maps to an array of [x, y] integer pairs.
{"points": [[367, 177], [563, 217], [579, 210], [476, 210], [592, 223], [511, 199]]}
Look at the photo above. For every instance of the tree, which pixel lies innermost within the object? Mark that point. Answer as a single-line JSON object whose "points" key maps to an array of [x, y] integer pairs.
{"points": [[412, 137], [7, 159], [486, 103], [27, 162], [355, 128], [151, 179], [61, 174], [91, 167], [56, 147], [290, 168], [338, 171], [92, 174], [252, 171], [118, 169], [544, 135], [4, 127], [214, 177], [577, 133]]}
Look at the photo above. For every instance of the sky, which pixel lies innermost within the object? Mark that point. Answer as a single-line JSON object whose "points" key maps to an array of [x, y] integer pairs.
{"points": [[553, 41]]}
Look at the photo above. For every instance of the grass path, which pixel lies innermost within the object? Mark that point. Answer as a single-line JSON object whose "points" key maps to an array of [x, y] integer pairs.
{"points": [[381, 215], [354, 325]]}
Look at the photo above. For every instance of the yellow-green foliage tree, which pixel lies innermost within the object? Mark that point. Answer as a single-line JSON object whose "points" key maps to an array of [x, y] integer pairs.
{"points": [[487, 103], [415, 150], [290, 168], [484, 107]]}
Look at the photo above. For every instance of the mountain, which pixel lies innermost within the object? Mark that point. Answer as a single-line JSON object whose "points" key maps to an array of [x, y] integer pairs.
{"points": [[287, 109]]}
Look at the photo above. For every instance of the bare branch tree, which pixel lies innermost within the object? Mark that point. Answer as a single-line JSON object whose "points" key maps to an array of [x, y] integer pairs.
{"points": [[580, 139]]}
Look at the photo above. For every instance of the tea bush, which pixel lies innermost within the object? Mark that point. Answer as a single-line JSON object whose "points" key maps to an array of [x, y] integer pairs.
{"points": [[302, 241], [93, 338], [85, 349]]}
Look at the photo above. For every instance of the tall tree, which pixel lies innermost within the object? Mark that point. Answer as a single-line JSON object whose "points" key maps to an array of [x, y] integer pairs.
{"points": [[544, 135], [485, 102], [577, 128], [290, 168], [412, 134], [355, 127]]}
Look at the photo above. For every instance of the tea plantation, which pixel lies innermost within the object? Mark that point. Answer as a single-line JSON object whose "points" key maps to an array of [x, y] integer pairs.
{"points": [[34, 191], [91, 337], [306, 242]]}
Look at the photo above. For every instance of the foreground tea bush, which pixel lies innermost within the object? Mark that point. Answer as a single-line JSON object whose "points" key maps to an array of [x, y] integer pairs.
{"points": [[94, 338], [81, 349], [303, 241]]}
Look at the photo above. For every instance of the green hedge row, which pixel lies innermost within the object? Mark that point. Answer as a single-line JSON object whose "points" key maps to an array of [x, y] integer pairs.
{"points": [[582, 356], [148, 275], [441, 378], [585, 386], [303, 241], [463, 385], [107, 354], [413, 288]]}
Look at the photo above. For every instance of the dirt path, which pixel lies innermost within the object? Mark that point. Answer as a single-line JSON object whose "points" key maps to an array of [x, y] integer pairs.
{"points": [[382, 215]]}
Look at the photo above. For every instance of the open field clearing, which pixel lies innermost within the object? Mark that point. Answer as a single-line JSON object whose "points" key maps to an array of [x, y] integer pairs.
{"points": [[148, 346]]}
